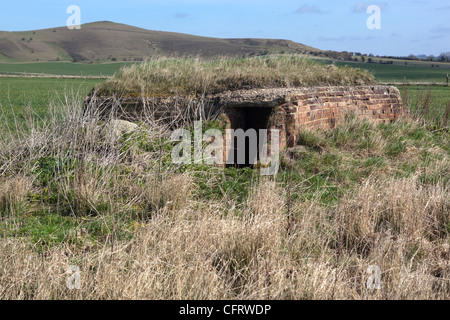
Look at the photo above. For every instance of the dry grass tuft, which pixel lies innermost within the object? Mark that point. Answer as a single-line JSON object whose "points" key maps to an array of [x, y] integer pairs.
{"points": [[401, 207], [13, 191]]}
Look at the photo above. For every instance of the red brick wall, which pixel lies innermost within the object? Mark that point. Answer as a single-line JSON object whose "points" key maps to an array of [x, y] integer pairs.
{"points": [[325, 107]]}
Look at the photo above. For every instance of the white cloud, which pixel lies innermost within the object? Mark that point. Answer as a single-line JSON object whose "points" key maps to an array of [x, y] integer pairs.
{"points": [[180, 15], [362, 6], [306, 9], [445, 8], [441, 29]]}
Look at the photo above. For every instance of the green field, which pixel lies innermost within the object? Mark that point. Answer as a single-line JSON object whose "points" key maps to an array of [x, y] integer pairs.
{"points": [[16, 94], [396, 73], [440, 95], [382, 72], [433, 100], [62, 68]]}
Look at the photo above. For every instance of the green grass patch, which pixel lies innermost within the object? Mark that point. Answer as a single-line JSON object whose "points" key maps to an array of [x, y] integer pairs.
{"points": [[428, 102], [47, 229], [337, 161], [63, 68], [20, 96]]}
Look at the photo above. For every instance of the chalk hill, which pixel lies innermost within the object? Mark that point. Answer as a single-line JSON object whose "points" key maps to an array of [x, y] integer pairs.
{"points": [[108, 41]]}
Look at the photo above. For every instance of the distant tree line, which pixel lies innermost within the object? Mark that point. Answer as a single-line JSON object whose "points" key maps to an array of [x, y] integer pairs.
{"points": [[358, 56], [443, 57]]}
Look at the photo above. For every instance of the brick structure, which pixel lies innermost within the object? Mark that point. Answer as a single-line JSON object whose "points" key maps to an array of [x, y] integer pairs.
{"points": [[288, 110], [285, 109]]}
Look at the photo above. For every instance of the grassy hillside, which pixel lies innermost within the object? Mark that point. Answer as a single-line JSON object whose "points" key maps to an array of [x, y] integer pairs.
{"points": [[108, 41]]}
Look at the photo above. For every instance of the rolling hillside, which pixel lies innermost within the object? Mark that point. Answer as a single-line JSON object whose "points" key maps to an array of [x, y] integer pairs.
{"points": [[108, 41]]}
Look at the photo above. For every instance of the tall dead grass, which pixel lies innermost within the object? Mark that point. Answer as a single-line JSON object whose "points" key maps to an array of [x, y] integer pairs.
{"points": [[185, 247], [13, 192], [198, 253]]}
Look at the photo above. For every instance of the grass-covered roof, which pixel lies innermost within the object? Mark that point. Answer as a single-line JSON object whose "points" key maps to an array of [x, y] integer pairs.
{"points": [[172, 76]]}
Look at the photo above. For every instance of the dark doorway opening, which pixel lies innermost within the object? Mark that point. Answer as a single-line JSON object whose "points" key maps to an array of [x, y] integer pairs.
{"points": [[247, 118]]}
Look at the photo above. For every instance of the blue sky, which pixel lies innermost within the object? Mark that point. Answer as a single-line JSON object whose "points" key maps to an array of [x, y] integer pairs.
{"points": [[407, 26]]}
